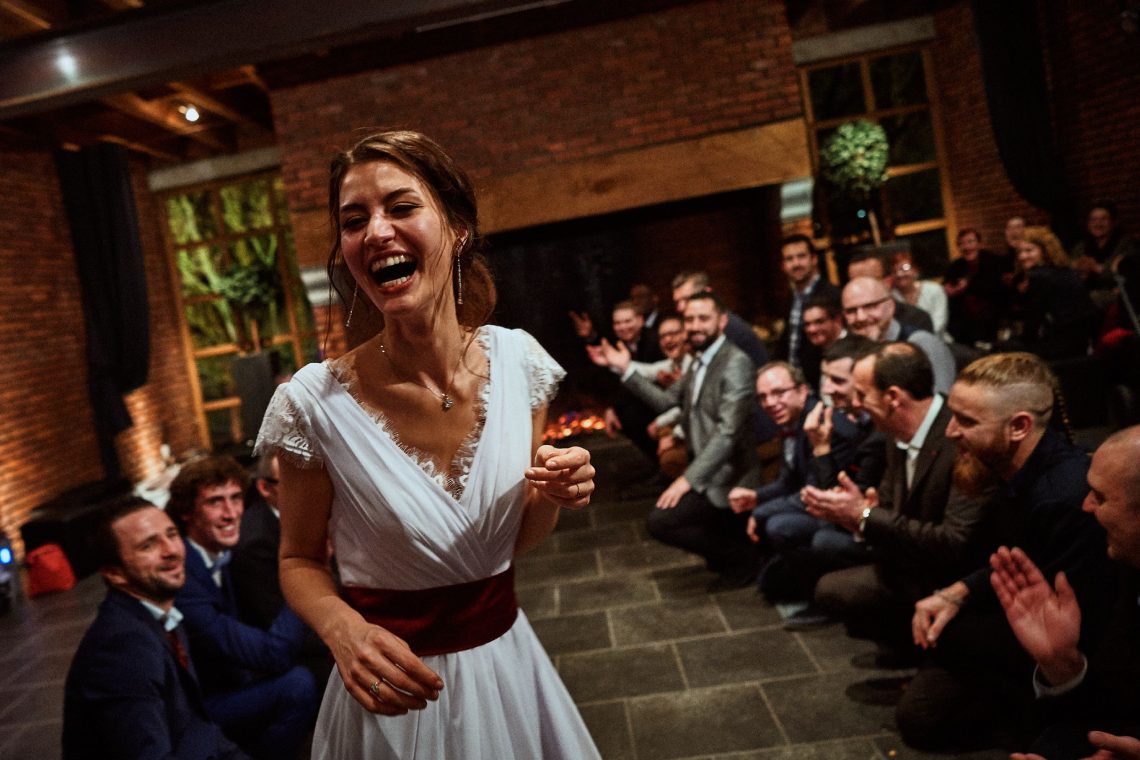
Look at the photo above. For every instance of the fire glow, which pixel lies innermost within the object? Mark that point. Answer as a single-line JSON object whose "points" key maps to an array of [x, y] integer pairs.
{"points": [[572, 424]]}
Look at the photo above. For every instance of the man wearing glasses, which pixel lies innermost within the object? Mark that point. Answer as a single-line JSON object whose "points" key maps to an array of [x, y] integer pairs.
{"points": [[870, 312]]}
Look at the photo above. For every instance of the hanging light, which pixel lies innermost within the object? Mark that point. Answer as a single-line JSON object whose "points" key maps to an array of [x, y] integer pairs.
{"points": [[189, 112]]}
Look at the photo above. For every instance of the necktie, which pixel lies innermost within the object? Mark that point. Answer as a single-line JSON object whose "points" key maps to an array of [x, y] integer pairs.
{"points": [[179, 650]]}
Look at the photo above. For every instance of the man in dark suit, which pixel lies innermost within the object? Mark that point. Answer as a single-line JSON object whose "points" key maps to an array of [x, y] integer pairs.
{"points": [[1083, 696], [715, 396], [253, 569], [800, 262], [254, 688], [131, 691], [974, 683], [920, 532]]}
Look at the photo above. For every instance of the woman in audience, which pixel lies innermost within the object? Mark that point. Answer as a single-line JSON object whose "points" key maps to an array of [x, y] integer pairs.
{"points": [[1049, 299], [926, 295]]}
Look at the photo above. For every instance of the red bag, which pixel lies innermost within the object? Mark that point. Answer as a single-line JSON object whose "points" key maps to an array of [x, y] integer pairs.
{"points": [[48, 570]]}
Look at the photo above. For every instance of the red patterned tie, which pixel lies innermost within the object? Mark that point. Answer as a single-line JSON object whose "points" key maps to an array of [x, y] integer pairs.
{"points": [[179, 650]]}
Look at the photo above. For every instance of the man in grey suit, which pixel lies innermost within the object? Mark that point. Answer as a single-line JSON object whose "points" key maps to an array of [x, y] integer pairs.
{"points": [[717, 400]]}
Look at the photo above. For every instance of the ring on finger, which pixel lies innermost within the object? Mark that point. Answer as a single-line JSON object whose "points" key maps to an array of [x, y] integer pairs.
{"points": [[577, 490], [374, 689]]}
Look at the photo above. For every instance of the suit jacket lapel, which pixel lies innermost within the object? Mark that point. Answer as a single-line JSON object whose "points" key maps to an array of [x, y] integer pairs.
{"points": [[931, 448]]}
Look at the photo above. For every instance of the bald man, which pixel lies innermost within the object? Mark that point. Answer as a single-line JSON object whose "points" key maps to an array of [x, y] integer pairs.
{"points": [[870, 312], [974, 686], [1098, 691]]}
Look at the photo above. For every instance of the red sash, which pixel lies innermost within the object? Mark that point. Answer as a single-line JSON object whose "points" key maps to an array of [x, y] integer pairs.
{"points": [[444, 619]]}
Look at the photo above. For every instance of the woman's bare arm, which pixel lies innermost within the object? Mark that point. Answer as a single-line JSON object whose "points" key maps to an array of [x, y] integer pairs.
{"points": [[365, 654]]}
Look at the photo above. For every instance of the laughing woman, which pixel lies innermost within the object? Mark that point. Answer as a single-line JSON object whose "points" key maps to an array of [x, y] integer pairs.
{"points": [[418, 454]]}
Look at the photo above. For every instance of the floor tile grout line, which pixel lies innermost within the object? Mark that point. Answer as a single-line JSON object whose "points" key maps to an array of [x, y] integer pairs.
{"points": [[807, 651], [680, 664], [629, 728], [771, 711]]}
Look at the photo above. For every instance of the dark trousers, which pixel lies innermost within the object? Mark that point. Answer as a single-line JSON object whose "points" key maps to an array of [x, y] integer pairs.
{"points": [[719, 535], [976, 689], [269, 718]]}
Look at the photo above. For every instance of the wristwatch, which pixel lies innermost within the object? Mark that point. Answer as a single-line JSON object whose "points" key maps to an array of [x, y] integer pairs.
{"points": [[863, 519]]}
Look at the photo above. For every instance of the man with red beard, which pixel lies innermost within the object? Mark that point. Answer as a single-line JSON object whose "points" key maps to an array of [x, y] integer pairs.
{"points": [[921, 532], [975, 688]]}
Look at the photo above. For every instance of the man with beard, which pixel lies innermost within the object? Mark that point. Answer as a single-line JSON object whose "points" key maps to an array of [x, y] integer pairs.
{"points": [[919, 530], [672, 340], [716, 400], [823, 325], [132, 691], [1076, 692], [870, 312], [800, 262], [976, 673], [629, 414]]}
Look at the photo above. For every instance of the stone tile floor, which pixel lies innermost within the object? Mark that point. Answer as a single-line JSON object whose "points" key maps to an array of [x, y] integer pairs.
{"points": [[659, 667]]}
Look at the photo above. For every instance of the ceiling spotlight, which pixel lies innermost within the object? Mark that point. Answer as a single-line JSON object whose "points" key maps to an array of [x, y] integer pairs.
{"points": [[189, 113]]}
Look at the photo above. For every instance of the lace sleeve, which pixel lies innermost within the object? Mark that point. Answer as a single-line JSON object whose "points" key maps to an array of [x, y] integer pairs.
{"points": [[543, 373], [286, 427]]}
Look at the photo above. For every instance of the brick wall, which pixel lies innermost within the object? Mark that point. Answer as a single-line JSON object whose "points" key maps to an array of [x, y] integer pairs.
{"points": [[678, 73], [983, 196], [47, 436], [1093, 69], [163, 409]]}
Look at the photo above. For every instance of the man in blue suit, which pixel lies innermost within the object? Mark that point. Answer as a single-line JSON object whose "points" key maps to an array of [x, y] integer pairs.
{"points": [[253, 686], [131, 691]]}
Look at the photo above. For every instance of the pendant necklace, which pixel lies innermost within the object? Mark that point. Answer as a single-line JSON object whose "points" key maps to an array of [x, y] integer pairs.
{"points": [[445, 399]]}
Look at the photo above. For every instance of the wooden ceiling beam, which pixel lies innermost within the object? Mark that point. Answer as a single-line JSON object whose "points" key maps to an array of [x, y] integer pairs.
{"points": [[32, 15], [212, 104], [160, 115]]}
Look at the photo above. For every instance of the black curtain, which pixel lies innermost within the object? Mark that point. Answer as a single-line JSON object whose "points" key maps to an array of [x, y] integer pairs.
{"points": [[101, 212], [1013, 73]]}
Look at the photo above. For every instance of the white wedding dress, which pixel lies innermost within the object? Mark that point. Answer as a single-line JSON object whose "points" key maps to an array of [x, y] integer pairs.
{"points": [[396, 523]]}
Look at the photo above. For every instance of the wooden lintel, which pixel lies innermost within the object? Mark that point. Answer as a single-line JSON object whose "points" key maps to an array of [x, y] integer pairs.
{"points": [[754, 157]]}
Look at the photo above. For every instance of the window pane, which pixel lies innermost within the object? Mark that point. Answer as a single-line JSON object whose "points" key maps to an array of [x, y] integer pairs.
{"points": [[914, 197], [836, 91], [246, 206], [220, 423], [215, 374], [930, 252], [201, 269], [211, 323], [191, 220], [898, 80], [848, 216], [911, 137]]}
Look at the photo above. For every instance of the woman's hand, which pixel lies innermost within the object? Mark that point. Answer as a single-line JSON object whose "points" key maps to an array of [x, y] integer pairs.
{"points": [[564, 477], [381, 672]]}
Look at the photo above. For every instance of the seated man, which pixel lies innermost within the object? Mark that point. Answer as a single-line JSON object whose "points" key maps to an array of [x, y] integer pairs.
{"points": [[917, 529], [716, 401], [875, 265], [253, 687], [823, 325], [131, 691], [870, 312], [974, 686], [1078, 692]]}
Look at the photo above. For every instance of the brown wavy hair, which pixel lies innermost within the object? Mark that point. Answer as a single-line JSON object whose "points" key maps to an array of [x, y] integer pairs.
{"points": [[1052, 252], [453, 192]]}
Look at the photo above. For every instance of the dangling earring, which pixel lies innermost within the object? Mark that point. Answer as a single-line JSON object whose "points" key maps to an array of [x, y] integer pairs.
{"points": [[459, 271], [352, 308]]}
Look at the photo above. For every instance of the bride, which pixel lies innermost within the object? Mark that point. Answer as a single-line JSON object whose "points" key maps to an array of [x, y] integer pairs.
{"points": [[417, 453]]}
